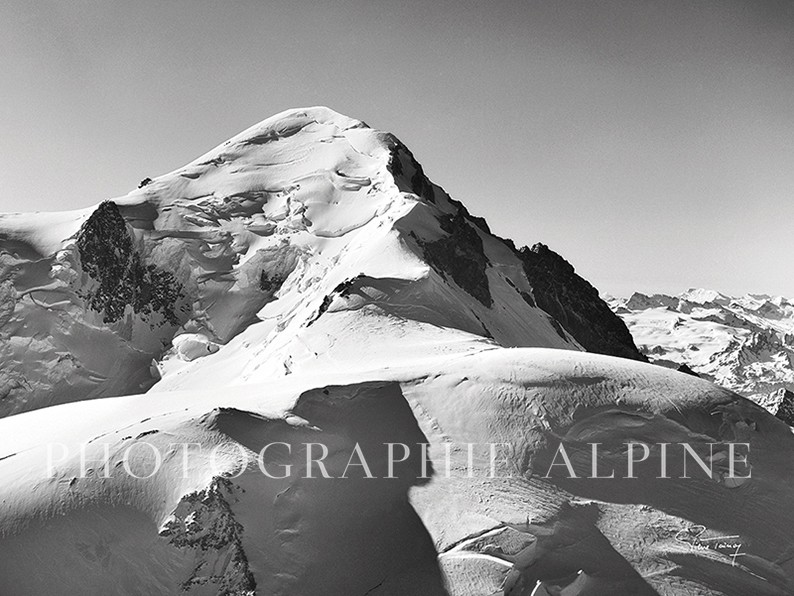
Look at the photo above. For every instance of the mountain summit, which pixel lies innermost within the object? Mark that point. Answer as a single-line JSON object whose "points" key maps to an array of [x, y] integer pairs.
{"points": [[306, 226]]}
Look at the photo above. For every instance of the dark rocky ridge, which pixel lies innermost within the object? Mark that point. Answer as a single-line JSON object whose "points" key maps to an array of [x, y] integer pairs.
{"points": [[572, 302], [684, 368], [575, 303], [420, 185], [460, 255]]}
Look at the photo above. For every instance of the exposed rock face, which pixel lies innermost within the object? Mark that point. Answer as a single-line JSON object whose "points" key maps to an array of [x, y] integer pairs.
{"points": [[107, 255], [460, 255], [403, 165], [785, 406], [575, 303], [639, 301], [204, 522]]}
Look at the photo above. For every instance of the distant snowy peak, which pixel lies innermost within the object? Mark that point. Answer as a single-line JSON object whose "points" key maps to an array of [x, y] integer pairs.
{"points": [[307, 226], [744, 343], [703, 296]]}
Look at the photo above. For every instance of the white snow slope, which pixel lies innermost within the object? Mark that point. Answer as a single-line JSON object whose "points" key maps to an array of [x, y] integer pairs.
{"points": [[295, 216], [745, 344], [305, 283]]}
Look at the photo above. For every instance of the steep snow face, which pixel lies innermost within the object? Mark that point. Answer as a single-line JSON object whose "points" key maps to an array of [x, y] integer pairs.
{"points": [[303, 229], [745, 344]]}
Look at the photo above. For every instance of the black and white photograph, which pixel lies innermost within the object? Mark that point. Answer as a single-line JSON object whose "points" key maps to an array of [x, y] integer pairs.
{"points": [[397, 298]]}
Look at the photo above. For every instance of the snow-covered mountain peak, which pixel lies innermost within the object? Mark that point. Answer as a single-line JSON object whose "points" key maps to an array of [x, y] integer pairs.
{"points": [[307, 226], [703, 296]]}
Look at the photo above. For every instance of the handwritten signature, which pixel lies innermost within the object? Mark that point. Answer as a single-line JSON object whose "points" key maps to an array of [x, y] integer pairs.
{"points": [[693, 536]]}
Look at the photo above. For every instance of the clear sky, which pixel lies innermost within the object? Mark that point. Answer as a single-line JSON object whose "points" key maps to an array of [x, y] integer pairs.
{"points": [[650, 143]]}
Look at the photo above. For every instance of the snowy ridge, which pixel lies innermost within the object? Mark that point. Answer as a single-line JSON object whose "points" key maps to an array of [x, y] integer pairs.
{"points": [[743, 343]]}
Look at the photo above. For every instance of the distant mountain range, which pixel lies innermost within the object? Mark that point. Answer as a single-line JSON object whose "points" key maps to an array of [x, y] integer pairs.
{"points": [[744, 343]]}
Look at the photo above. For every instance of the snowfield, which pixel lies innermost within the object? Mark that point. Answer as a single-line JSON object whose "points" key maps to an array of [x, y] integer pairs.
{"points": [[172, 357], [474, 535]]}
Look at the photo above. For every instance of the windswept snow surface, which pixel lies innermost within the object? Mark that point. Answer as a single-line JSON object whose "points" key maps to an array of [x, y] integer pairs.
{"points": [[743, 343], [304, 283], [226, 526]]}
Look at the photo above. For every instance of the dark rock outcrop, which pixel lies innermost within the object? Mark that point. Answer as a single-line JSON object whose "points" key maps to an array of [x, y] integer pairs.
{"points": [[205, 523], [684, 368], [460, 255], [785, 406], [270, 283], [572, 301], [122, 277], [404, 167]]}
